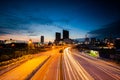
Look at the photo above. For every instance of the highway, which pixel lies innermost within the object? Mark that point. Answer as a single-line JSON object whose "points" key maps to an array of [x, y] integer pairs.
{"points": [[76, 66], [98, 69], [69, 65], [72, 69], [22, 71], [26, 70], [51, 69]]}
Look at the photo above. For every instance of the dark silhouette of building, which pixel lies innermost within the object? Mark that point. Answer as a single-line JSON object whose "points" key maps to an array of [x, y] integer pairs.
{"points": [[93, 40], [57, 37], [42, 39], [117, 43], [65, 34], [65, 40], [86, 40], [1, 42]]}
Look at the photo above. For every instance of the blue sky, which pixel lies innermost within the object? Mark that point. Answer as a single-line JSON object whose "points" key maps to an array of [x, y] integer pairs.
{"points": [[25, 19]]}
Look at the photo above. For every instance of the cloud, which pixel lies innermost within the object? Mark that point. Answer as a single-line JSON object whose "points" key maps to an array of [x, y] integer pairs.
{"points": [[11, 23], [64, 21], [3, 32], [15, 20], [40, 20], [107, 30]]}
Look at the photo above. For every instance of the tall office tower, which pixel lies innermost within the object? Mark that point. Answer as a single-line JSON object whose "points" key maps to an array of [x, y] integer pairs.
{"points": [[58, 36], [42, 39], [65, 34]]}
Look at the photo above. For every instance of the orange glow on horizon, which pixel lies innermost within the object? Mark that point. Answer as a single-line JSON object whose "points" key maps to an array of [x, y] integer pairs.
{"points": [[24, 38]]}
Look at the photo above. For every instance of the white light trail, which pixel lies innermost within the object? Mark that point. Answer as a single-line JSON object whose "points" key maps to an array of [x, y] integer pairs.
{"points": [[73, 70]]}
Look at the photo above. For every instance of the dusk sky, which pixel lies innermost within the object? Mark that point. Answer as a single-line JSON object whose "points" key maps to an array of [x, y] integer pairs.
{"points": [[29, 19]]}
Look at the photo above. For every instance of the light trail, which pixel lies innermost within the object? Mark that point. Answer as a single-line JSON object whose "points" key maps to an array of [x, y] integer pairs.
{"points": [[72, 69], [99, 69], [69, 65]]}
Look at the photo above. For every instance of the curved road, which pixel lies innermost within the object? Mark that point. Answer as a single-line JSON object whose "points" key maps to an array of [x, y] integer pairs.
{"points": [[96, 68], [69, 65]]}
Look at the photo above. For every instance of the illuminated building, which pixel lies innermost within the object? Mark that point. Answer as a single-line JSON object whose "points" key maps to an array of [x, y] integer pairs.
{"points": [[10, 41], [30, 44]]}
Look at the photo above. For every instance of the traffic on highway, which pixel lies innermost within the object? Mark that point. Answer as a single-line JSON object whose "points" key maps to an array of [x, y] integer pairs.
{"points": [[63, 64]]}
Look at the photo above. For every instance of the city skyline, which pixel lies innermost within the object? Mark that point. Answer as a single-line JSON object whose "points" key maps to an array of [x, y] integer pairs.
{"points": [[24, 20], [59, 40]]}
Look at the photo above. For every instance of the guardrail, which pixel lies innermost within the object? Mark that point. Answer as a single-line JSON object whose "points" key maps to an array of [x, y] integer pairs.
{"points": [[35, 70]]}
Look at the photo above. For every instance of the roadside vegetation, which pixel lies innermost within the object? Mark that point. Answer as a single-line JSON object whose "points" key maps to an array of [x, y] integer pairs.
{"points": [[93, 53], [8, 54], [103, 53], [11, 54]]}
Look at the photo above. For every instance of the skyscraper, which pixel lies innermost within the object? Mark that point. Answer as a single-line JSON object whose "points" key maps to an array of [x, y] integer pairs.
{"points": [[65, 39], [58, 36], [65, 34], [42, 39]]}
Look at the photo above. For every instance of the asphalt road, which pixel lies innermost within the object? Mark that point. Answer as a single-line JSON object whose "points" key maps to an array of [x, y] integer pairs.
{"points": [[72, 69], [25, 70], [50, 70], [96, 68], [22, 71], [69, 65]]}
